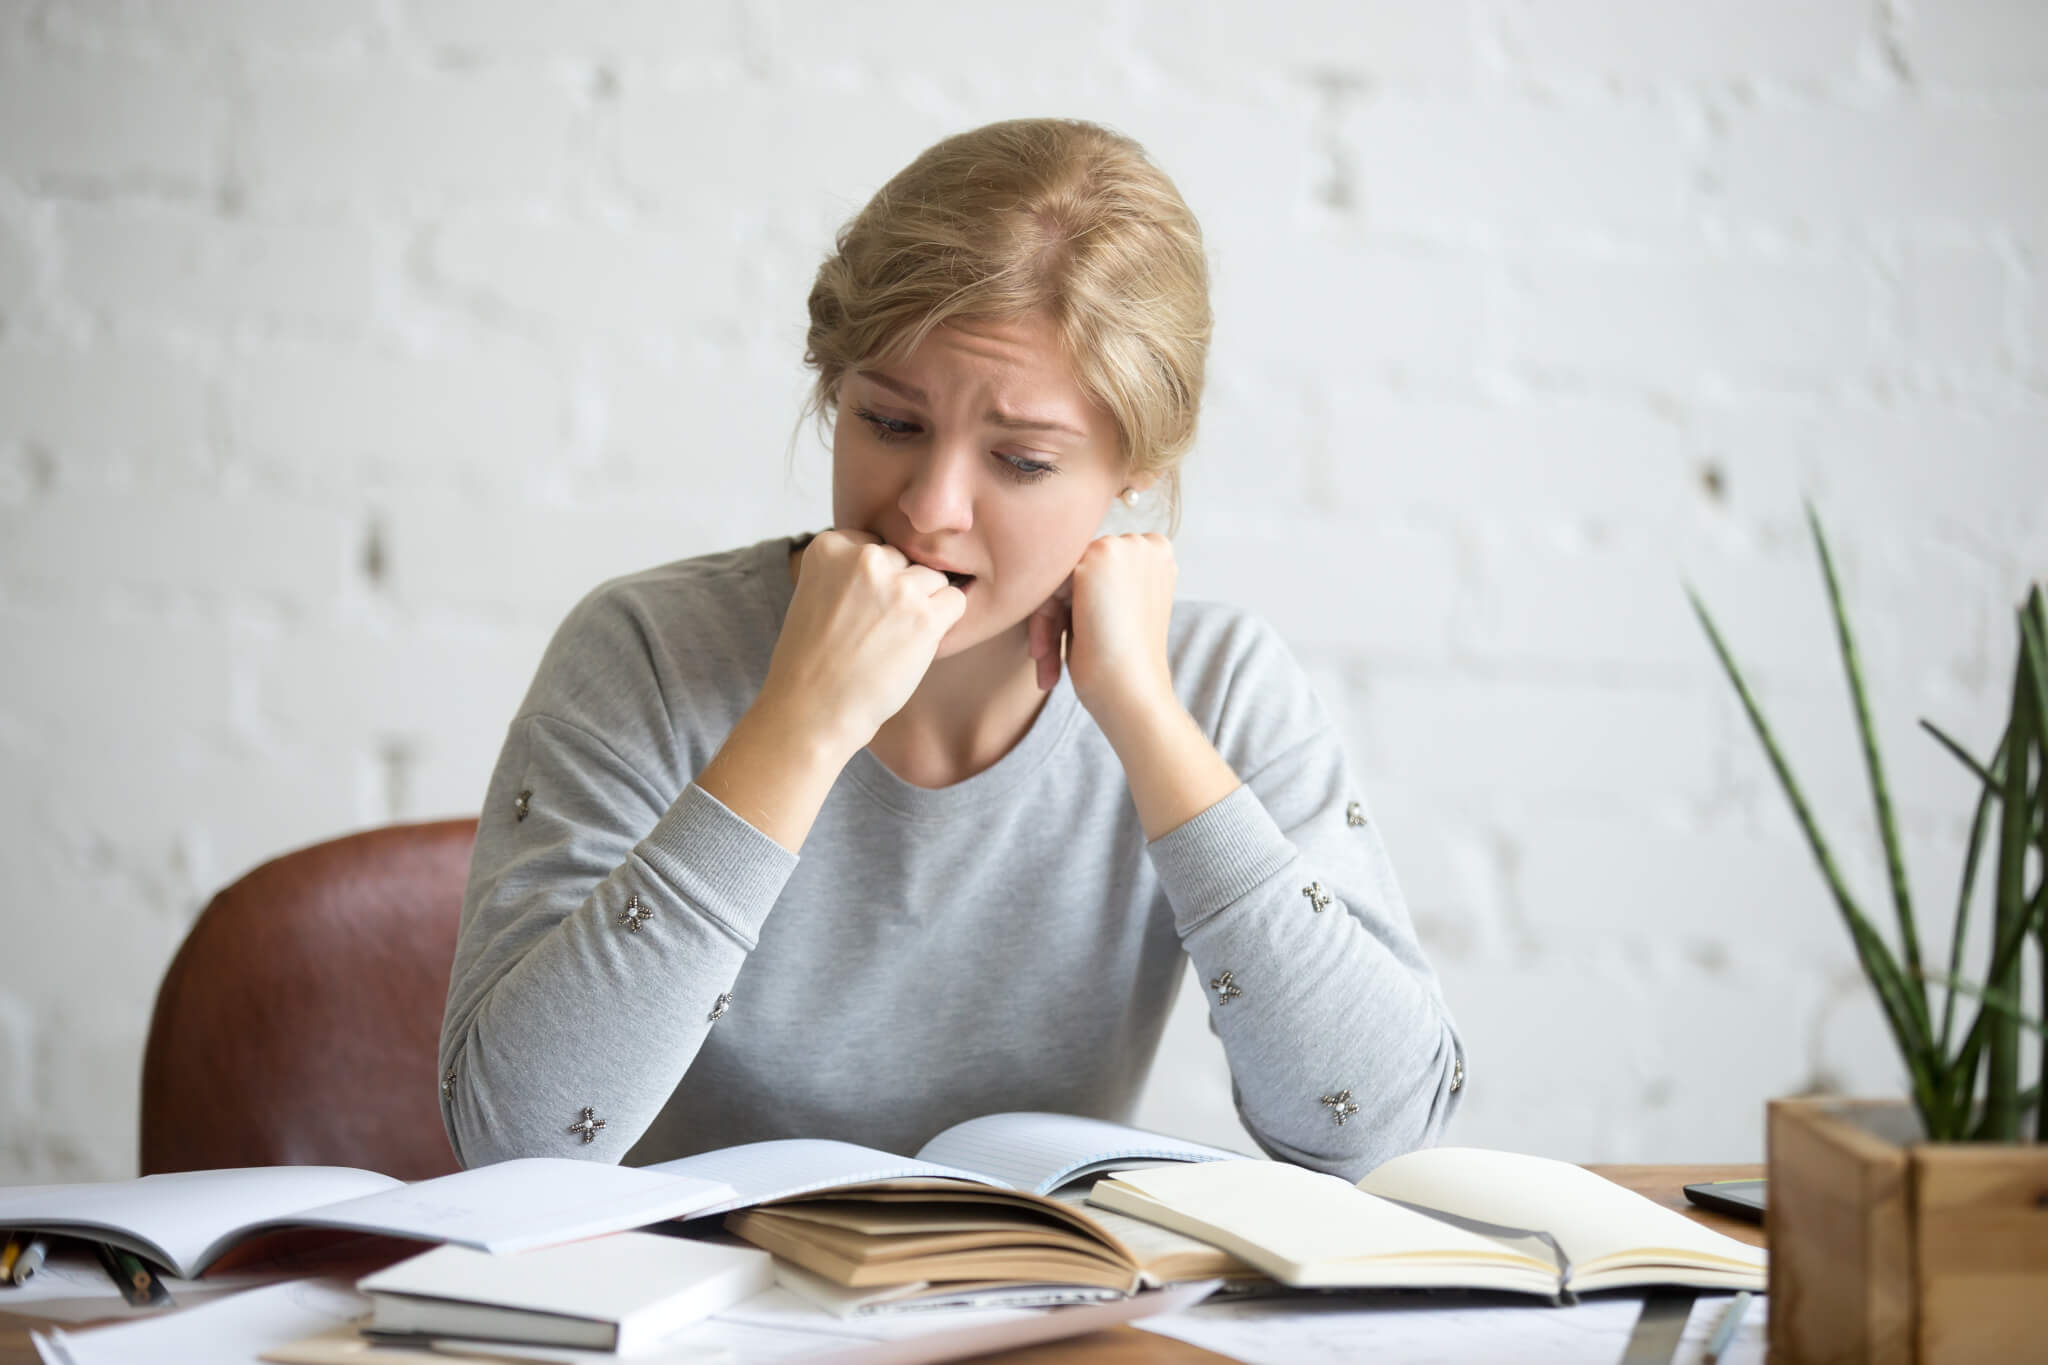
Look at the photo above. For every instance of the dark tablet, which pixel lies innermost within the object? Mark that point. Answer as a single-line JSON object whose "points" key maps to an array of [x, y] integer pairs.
{"points": [[1742, 1198]]}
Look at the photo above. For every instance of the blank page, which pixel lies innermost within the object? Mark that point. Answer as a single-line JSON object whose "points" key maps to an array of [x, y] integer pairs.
{"points": [[1305, 1219], [182, 1218], [523, 1203], [1041, 1152], [1589, 1215], [784, 1167]]}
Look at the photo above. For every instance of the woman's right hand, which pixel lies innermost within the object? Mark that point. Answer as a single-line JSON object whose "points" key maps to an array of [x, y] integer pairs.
{"points": [[863, 627]]}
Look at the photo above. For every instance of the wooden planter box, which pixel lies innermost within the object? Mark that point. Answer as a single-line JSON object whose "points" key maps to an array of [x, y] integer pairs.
{"points": [[1894, 1251]]}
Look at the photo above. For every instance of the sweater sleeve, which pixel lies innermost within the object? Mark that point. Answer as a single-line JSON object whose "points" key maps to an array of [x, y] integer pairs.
{"points": [[603, 925], [1342, 1053]]}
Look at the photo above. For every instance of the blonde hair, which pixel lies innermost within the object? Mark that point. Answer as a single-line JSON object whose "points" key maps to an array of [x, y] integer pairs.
{"points": [[1033, 215]]}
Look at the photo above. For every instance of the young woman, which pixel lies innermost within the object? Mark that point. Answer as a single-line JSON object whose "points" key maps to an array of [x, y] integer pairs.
{"points": [[864, 833]]}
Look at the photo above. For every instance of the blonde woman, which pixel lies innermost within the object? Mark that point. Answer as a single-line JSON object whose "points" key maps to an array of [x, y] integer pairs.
{"points": [[863, 833]]}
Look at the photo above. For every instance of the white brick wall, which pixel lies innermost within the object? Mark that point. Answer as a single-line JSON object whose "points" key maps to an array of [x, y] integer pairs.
{"points": [[342, 347]]}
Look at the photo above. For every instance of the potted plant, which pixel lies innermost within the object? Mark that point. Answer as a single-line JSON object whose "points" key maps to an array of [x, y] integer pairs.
{"points": [[1917, 1230]]}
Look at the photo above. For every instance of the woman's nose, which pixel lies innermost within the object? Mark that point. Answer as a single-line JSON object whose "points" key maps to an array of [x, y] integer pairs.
{"points": [[940, 494]]}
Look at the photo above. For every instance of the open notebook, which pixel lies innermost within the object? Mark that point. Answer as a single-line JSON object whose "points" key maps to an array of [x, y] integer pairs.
{"points": [[185, 1221], [971, 1209], [1443, 1217]]}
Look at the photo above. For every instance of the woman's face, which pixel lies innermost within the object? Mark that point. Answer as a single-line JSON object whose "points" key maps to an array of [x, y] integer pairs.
{"points": [[980, 455]]}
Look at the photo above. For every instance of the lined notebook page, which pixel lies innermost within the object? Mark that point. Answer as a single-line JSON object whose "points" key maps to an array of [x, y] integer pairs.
{"points": [[761, 1171], [1041, 1152], [1589, 1215]]}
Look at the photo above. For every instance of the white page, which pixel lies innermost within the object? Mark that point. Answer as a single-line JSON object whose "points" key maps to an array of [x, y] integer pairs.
{"points": [[761, 1171], [1589, 1215], [1041, 1152], [606, 1279], [523, 1203], [1148, 1242], [72, 1286], [779, 1326], [1442, 1330], [234, 1329], [1271, 1212], [179, 1218]]}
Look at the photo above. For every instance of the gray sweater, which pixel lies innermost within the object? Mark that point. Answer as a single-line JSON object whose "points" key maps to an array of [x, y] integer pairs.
{"points": [[641, 974]]}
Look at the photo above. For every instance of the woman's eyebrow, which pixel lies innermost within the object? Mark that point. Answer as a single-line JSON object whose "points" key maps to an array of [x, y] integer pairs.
{"points": [[994, 416], [915, 395]]}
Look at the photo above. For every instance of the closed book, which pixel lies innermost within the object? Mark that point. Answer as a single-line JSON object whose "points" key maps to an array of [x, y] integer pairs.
{"points": [[620, 1293]]}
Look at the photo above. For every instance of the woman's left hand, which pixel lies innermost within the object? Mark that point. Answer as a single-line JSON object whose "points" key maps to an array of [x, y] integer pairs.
{"points": [[1114, 608]]}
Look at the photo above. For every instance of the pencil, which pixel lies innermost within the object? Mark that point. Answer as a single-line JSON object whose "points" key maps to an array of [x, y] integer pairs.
{"points": [[137, 1285], [1725, 1331]]}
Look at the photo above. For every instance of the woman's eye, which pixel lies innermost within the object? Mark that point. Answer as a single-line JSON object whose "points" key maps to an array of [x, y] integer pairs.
{"points": [[886, 428], [1025, 471]]}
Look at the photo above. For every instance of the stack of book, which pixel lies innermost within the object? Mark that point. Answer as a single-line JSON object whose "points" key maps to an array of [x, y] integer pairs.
{"points": [[1009, 1208], [1001, 1205]]}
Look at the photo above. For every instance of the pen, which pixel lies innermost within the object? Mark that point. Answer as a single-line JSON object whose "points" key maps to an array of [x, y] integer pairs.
{"points": [[8, 1256], [1731, 1319], [30, 1260]]}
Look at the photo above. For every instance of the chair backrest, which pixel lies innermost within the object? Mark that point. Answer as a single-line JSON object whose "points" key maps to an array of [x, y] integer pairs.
{"points": [[300, 1021]]}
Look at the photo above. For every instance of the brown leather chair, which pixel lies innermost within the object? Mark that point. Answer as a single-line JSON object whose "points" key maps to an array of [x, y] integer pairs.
{"points": [[300, 1021]]}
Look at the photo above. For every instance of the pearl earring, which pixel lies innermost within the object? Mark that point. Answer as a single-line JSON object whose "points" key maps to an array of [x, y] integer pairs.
{"points": [[1130, 497]]}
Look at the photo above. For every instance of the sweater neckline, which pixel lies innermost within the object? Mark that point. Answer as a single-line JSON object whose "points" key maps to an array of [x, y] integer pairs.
{"points": [[1055, 719]]}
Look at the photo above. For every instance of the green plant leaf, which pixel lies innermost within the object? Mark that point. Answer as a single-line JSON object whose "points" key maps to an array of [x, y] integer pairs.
{"points": [[1880, 792], [1995, 1000], [2034, 649], [1962, 1071], [1909, 1029], [1983, 774], [2001, 1081], [1979, 823]]}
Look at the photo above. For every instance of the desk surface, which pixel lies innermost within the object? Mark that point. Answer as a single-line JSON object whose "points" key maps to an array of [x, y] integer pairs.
{"points": [[1129, 1345]]}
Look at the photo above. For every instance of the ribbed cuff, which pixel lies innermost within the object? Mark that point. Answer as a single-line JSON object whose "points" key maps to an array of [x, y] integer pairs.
{"points": [[718, 862], [1215, 858]]}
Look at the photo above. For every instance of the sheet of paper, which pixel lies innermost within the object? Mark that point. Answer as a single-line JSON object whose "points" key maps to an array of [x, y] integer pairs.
{"points": [[1041, 1152], [1285, 1214], [760, 1171], [1589, 1215], [229, 1331], [186, 1213], [71, 1287], [1443, 1330], [778, 1326], [524, 1203]]}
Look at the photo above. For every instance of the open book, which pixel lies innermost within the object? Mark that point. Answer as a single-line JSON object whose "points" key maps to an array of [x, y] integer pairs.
{"points": [[973, 1208], [1443, 1217], [185, 1221]]}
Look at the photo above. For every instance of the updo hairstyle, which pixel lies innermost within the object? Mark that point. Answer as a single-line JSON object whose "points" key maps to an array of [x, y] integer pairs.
{"points": [[1032, 215]]}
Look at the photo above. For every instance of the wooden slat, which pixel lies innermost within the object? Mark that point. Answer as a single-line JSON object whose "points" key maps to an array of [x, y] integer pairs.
{"points": [[1841, 1253], [1981, 1244]]}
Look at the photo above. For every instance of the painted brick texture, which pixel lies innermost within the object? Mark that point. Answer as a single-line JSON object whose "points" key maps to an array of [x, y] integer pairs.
{"points": [[344, 346]]}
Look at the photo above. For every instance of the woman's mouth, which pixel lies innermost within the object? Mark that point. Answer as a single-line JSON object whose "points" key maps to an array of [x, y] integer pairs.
{"points": [[958, 580]]}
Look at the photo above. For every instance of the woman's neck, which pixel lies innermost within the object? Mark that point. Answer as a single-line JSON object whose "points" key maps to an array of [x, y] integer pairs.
{"points": [[969, 711]]}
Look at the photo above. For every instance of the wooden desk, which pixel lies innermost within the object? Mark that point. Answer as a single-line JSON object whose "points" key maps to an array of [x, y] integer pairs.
{"points": [[1131, 1346]]}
